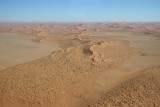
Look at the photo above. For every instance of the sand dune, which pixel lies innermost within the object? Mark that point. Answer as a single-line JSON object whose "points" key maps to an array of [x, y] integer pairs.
{"points": [[142, 90], [39, 32], [43, 39], [41, 29], [64, 78], [99, 64]]}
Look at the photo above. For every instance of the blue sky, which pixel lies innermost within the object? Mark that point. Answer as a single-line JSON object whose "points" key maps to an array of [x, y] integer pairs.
{"points": [[80, 10]]}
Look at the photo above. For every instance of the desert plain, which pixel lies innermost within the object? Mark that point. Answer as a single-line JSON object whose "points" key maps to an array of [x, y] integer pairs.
{"points": [[80, 64]]}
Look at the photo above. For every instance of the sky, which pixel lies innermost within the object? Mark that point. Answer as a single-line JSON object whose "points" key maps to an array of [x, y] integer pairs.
{"points": [[79, 10]]}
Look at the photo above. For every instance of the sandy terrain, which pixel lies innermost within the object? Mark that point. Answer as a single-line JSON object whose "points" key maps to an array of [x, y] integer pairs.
{"points": [[142, 90], [96, 64], [16, 49]]}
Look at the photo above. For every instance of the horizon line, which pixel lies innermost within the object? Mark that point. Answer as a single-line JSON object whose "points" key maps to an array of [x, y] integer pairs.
{"points": [[80, 22]]}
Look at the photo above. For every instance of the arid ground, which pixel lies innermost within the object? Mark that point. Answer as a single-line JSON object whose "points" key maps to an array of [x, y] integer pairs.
{"points": [[79, 64]]}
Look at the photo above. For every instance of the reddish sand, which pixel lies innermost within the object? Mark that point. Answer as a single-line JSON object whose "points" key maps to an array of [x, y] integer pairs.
{"points": [[97, 64]]}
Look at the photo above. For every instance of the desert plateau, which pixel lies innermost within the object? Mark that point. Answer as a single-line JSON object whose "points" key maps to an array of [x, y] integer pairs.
{"points": [[79, 64]]}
